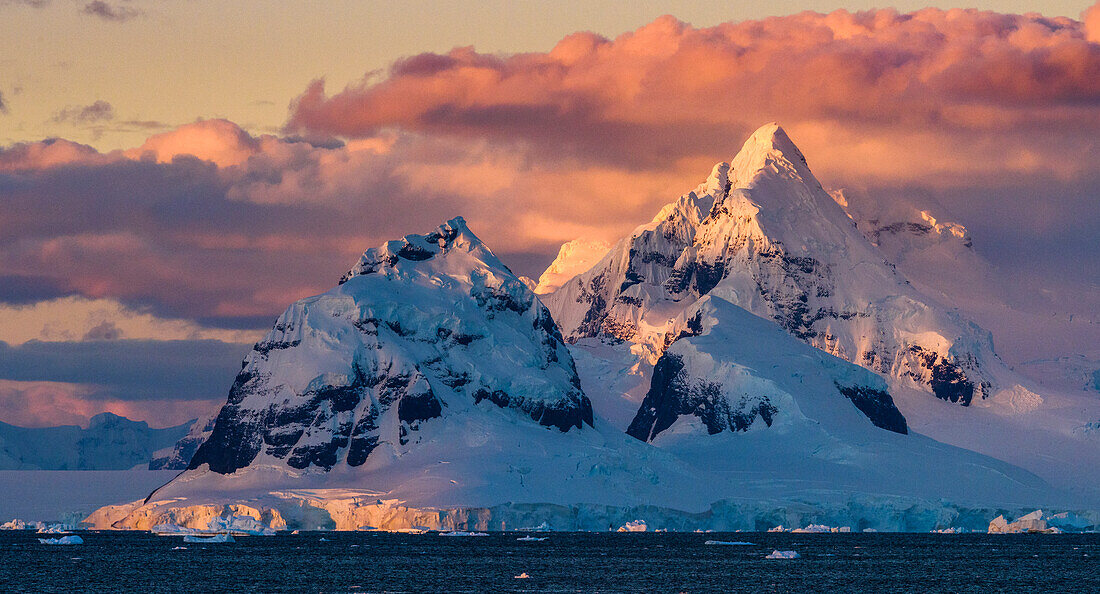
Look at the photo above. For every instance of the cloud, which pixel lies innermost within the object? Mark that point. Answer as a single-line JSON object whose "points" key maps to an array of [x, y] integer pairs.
{"points": [[1091, 18], [129, 369], [86, 114], [108, 12], [48, 404], [960, 82], [3, 105], [74, 318]]}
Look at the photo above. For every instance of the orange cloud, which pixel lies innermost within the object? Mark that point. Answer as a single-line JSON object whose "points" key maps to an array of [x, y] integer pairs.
{"points": [[669, 90], [1091, 18], [220, 141], [48, 404]]}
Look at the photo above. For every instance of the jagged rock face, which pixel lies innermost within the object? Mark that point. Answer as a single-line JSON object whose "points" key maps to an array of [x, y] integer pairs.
{"points": [[732, 371], [179, 455], [419, 328], [763, 234]]}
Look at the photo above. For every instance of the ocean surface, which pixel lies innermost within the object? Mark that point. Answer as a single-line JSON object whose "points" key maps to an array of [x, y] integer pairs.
{"points": [[565, 562]]}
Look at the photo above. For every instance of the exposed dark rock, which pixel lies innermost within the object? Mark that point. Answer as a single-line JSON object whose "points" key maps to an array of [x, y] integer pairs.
{"points": [[878, 406]]}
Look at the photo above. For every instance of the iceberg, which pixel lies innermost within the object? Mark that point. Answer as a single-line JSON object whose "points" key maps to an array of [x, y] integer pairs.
{"points": [[635, 526], [783, 555], [463, 533], [18, 524], [729, 543], [532, 538], [64, 540], [1033, 522], [57, 529], [215, 538]]}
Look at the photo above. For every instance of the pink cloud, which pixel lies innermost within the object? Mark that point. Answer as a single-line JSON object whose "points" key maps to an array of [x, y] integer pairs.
{"points": [[220, 141], [47, 404], [669, 90], [1091, 18]]}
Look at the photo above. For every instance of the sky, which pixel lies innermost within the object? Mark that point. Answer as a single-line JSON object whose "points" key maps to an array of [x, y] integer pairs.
{"points": [[174, 173]]}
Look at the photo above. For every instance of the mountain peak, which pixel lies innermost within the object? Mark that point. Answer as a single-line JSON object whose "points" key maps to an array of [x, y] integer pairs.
{"points": [[405, 253], [769, 145]]}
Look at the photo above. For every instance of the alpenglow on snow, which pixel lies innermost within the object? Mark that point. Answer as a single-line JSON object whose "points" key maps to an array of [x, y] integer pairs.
{"points": [[418, 328], [762, 233]]}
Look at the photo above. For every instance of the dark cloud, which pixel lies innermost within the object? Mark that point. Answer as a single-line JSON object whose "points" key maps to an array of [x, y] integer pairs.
{"points": [[185, 238], [129, 369], [18, 289], [3, 105], [145, 124], [108, 12], [99, 111], [105, 330]]}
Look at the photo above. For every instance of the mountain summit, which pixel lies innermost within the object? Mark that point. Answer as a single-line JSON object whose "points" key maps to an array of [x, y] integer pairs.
{"points": [[419, 328], [762, 233]]}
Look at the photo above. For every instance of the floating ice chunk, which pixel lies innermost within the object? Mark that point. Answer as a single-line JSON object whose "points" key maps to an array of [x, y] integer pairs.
{"points": [[522, 576], [729, 542], [635, 526], [543, 527], [779, 528], [64, 540], [194, 538], [240, 525], [18, 524], [532, 538], [1033, 522], [463, 533], [783, 555], [57, 529], [179, 548]]}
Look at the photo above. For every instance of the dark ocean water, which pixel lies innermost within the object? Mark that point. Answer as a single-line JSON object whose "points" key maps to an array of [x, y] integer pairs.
{"points": [[566, 562]]}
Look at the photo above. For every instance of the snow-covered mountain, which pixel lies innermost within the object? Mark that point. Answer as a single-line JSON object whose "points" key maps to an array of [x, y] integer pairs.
{"points": [[574, 257], [110, 442], [762, 233], [433, 388], [420, 328]]}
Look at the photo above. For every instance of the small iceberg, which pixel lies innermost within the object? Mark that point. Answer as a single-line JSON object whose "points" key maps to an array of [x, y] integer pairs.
{"points": [[57, 529], [523, 576], [463, 533], [730, 543], [413, 530], [179, 548], [196, 539], [635, 526], [543, 527], [783, 555], [18, 524], [532, 538], [64, 540]]}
